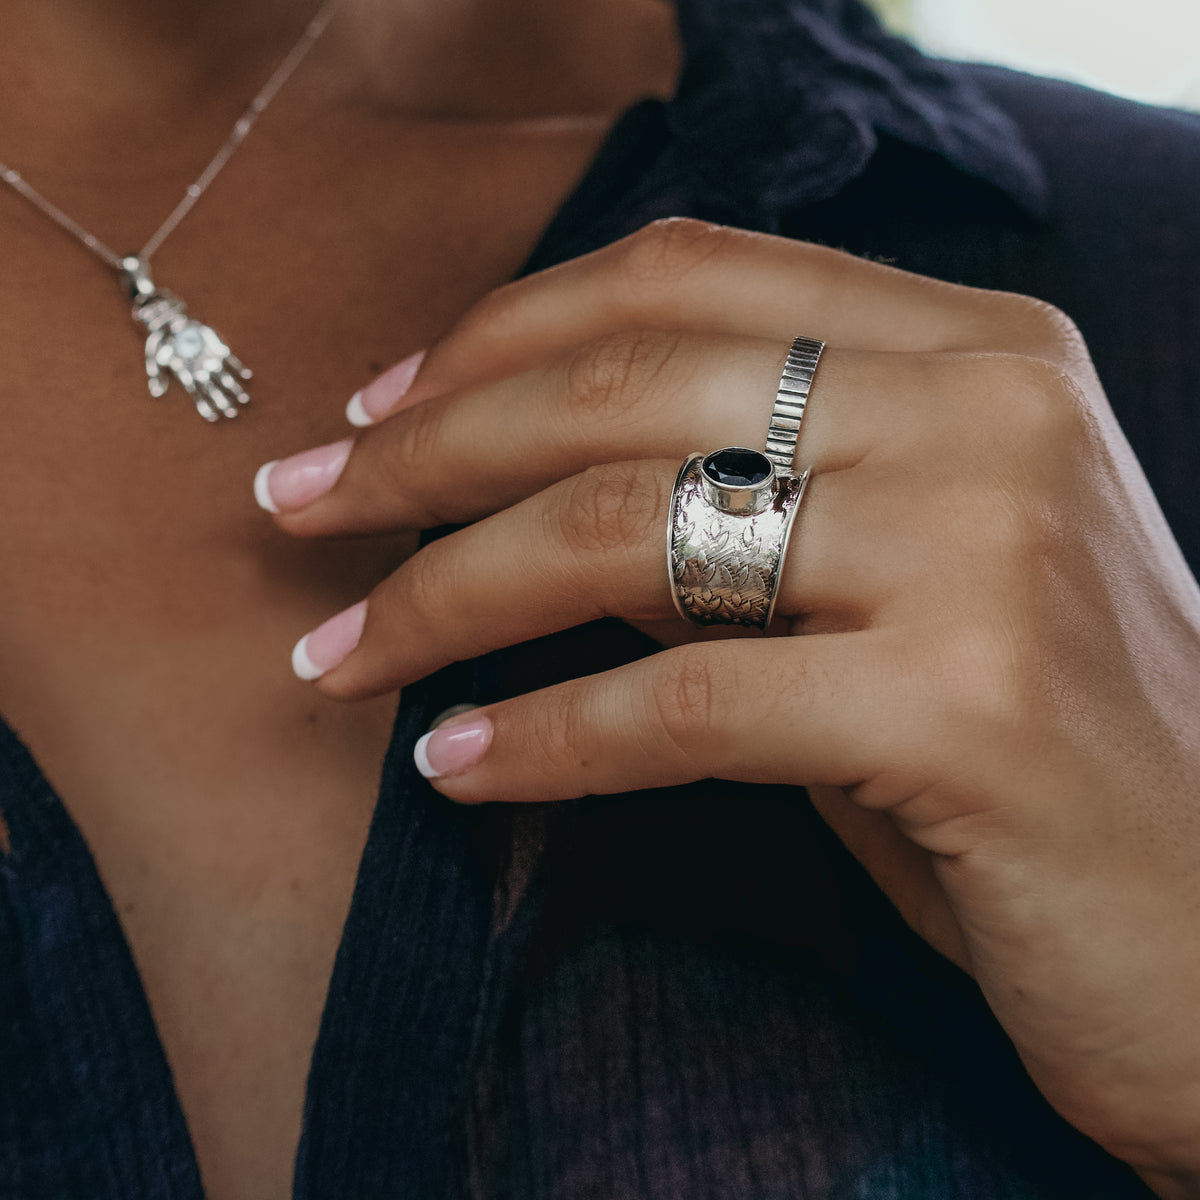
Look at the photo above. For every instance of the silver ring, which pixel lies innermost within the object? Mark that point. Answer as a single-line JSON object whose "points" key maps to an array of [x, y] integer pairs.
{"points": [[731, 517], [790, 402]]}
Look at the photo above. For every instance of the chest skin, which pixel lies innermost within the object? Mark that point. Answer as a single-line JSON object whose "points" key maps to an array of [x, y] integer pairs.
{"points": [[149, 607]]}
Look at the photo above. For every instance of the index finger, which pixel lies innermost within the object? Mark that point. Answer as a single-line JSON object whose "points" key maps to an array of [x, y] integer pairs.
{"points": [[684, 274]]}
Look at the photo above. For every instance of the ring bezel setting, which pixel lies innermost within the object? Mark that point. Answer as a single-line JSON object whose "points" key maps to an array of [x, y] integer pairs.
{"points": [[738, 481], [732, 512], [727, 536]]}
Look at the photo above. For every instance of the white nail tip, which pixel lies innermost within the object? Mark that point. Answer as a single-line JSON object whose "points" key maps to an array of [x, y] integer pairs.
{"points": [[304, 666], [356, 414], [262, 492], [421, 758]]}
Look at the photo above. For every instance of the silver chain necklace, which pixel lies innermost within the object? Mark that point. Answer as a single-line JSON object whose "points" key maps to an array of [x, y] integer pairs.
{"points": [[177, 346]]}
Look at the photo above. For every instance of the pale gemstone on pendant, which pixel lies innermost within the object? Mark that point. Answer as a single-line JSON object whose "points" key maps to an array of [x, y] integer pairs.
{"points": [[189, 341]]}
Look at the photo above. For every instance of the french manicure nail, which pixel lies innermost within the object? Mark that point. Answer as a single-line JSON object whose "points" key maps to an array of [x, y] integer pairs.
{"points": [[290, 483], [383, 396], [329, 644], [356, 414], [453, 749]]}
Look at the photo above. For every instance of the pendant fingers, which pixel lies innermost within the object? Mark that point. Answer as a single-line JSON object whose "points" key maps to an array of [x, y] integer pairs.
{"points": [[215, 393], [204, 408], [154, 365], [197, 389], [234, 388], [236, 366]]}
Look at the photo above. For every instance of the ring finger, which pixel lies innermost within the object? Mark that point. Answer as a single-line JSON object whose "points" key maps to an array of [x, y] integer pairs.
{"points": [[587, 547]]}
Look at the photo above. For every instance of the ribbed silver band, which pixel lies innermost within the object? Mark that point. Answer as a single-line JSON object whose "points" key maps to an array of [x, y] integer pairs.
{"points": [[790, 402]]}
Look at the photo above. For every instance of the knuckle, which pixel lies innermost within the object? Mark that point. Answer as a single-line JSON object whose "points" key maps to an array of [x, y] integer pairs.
{"points": [[1015, 534], [666, 251], [1008, 528], [610, 508], [433, 582], [682, 704], [1058, 413], [560, 731], [1050, 324], [1038, 429], [488, 311], [1041, 404], [992, 668], [405, 454], [423, 585], [1039, 327], [993, 678], [611, 375]]}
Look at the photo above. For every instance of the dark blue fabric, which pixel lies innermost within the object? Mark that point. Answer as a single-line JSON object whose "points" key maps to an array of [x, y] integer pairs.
{"points": [[87, 1107], [692, 992], [385, 1090], [825, 80]]}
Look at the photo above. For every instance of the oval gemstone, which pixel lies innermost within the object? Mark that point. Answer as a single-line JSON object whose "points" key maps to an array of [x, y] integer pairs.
{"points": [[736, 467]]}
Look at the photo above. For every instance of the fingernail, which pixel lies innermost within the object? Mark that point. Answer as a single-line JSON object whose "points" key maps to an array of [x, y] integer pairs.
{"points": [[356, 414], [291, 483], [328, 644], [383, 396], [453, 749]]}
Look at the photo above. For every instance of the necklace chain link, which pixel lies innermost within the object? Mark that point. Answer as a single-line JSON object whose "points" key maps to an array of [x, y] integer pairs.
{"points": [[194, 191]]}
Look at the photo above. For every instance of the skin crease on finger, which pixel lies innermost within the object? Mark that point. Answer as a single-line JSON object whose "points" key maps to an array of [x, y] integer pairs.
{"points": [[1016, 705], [406, 170]]}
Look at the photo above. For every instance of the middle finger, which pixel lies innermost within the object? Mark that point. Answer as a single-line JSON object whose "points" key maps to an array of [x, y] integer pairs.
{"points": [[459, 457]]}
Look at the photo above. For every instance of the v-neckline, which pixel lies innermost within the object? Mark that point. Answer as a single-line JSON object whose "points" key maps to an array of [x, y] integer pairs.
{"points": [[418, 888], [118, 1053]]}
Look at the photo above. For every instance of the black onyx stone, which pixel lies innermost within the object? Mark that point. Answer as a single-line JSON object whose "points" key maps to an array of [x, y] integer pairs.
{"points": [[737, 468]]}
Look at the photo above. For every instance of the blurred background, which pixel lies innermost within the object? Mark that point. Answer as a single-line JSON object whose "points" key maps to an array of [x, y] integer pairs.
{"points": [[1147, 49]]}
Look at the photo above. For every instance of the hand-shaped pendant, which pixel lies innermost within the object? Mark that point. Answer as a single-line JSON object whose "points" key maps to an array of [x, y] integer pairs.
{"points": [[180, 347]]}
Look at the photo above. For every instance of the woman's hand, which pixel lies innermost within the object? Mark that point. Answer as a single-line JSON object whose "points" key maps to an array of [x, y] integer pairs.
{"points": [[996, 700]]}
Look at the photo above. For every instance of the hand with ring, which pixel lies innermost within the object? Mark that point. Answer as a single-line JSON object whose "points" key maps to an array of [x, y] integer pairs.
{"points": [[992, 678]]}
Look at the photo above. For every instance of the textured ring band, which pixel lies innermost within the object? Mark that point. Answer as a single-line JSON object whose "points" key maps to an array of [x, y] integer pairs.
{"points": [[731, 517], [790, 401]]}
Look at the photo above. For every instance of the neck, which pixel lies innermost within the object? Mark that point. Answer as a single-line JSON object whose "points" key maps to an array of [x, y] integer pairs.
{"points": [[117, 52], [457, 58], [512, 59], [85, 81], [127, 98]]}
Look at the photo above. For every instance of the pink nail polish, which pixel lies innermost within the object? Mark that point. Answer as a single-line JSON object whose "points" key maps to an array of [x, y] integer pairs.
{"points": [[291, 483], [328, 644], [383, 396], [453, 749]]}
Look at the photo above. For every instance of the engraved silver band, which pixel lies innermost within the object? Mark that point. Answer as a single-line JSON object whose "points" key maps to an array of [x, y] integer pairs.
{"points": [[726, 542], [790, 401]]}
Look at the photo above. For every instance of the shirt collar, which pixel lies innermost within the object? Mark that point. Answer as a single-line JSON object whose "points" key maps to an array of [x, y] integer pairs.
{"points": [[782, 102]]}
